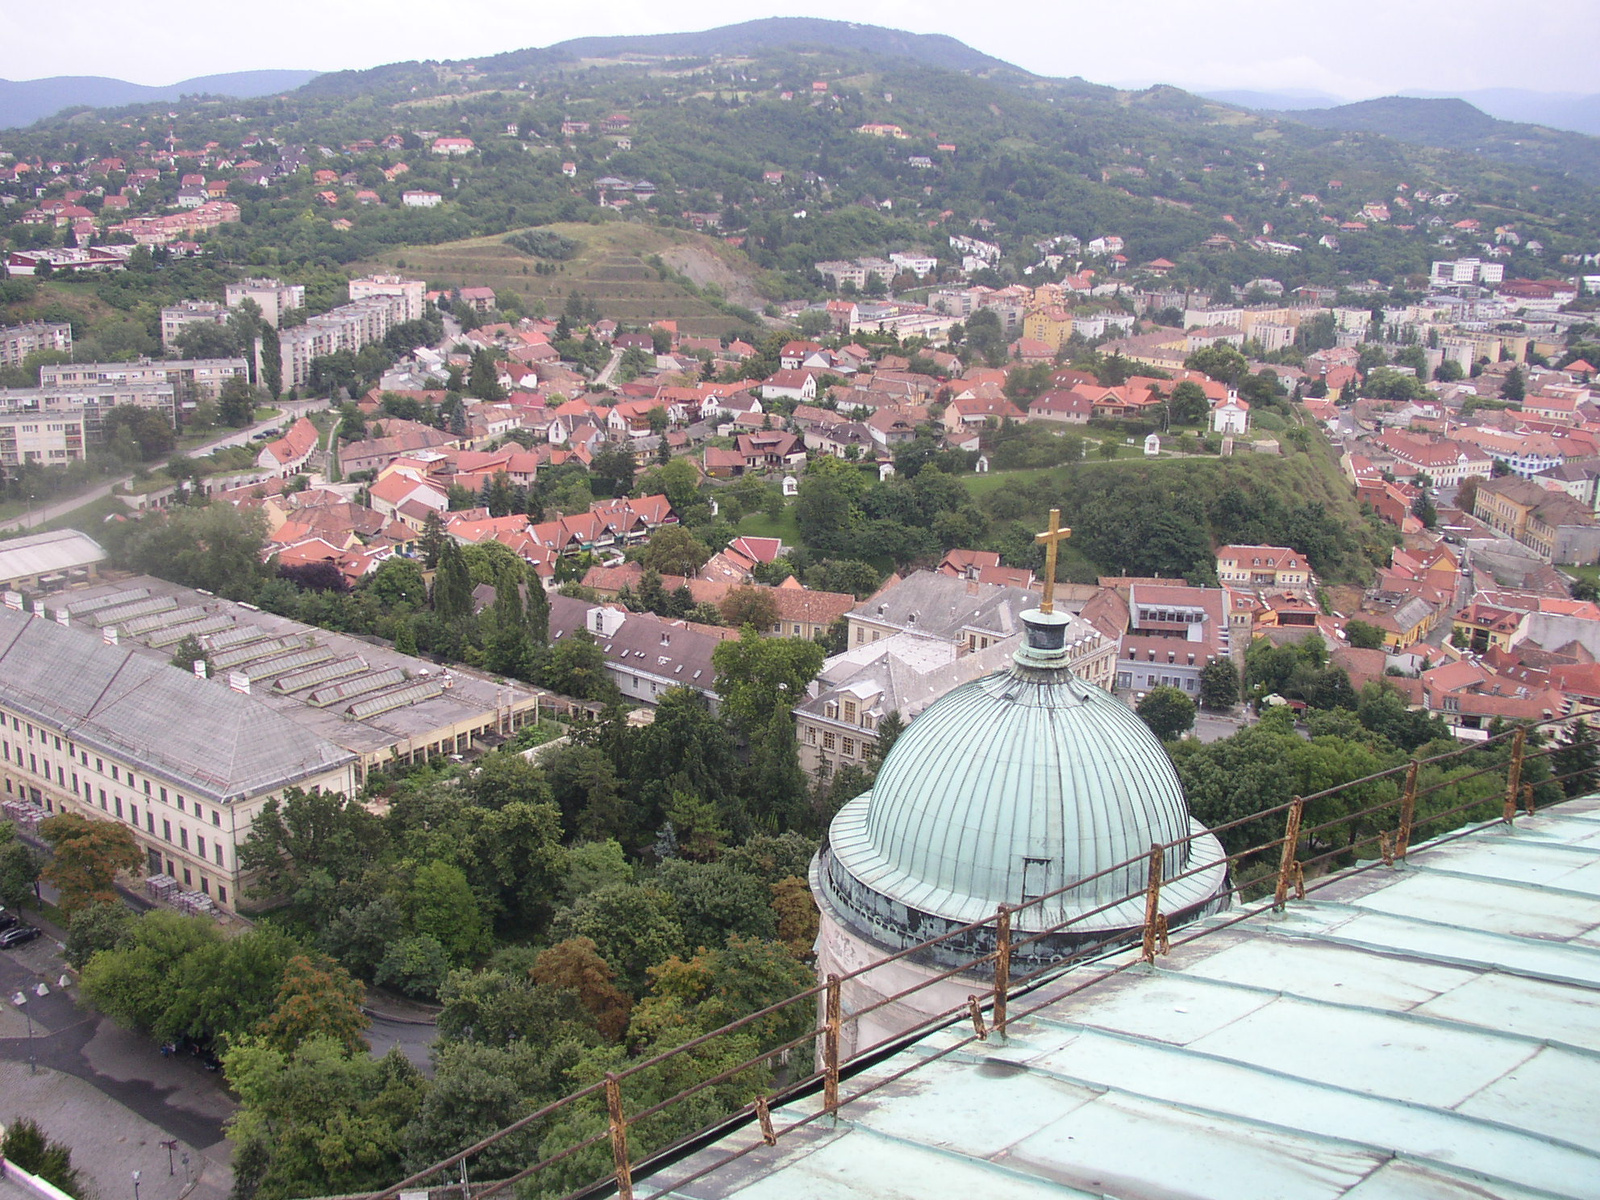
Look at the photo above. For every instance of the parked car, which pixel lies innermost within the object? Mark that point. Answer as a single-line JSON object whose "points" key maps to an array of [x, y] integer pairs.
{"points": [[17, 935], [7, 918]]}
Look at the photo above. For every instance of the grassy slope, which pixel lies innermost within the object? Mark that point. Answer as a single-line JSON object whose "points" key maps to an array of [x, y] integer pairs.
{"points": [[610, 270]]}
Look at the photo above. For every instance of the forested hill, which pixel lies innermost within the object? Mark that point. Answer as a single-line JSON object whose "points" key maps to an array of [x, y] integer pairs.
{"points": [[749, 38], [25, 101], [762, 133], [1456, 125]]}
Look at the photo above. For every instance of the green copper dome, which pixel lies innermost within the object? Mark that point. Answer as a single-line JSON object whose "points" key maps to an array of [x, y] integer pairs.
{"points": [[1011, 787]]}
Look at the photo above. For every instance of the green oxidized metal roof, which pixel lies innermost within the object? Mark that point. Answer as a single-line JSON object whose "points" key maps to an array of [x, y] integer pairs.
{"points": [[1012, 786]]}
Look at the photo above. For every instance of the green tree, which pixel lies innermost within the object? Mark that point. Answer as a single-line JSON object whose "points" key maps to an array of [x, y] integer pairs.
{"points": [[1189, 404], [1168, 712], [576, 667], [1364, 636], [398, 584], [217, 547], [1576, 761], [759, 676], [86, 856], [1221, 362], [318, 1120], [20, 864], [26, 1147], [306, 848], [484, 382], [632, 927], [1219, 684], [95, 928], [750, 606], [673, 550], [613, 469], [442, 906], [452, 585], [236, 403], [1515, 387]]}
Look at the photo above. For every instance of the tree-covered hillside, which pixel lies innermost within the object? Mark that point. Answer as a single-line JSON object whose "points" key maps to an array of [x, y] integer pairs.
{"points": [[756, 128]]}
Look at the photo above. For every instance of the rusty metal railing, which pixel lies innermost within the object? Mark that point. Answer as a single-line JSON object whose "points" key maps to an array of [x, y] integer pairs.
{"points": [[1260, 878]]}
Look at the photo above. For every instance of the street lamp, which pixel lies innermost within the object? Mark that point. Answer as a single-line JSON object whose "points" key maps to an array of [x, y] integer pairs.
{"points": [[136, 1185], [170, 1147], [21, 1001]]}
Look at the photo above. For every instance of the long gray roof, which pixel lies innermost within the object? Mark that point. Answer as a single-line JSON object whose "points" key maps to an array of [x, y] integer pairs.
{"points": [[41, 553], [199, 735]]}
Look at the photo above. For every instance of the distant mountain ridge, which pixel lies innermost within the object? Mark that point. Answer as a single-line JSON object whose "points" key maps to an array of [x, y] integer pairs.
{"points": [[1436, 122], [26, 101], [747, 37], [1569, 111]]}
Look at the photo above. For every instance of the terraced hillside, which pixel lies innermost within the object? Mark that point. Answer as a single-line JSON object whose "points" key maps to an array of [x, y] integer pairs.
{"points": [[611, 269]]}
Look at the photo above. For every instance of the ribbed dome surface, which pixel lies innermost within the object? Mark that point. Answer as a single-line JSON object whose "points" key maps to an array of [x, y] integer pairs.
{"points": [[1010, 787]]}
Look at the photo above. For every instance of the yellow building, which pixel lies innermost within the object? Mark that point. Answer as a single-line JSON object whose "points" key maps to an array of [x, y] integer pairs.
{"points": [[1050, 325]]}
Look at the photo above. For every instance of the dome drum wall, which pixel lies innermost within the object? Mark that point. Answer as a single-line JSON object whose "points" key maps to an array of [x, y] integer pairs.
{"points": [[893, 926]]}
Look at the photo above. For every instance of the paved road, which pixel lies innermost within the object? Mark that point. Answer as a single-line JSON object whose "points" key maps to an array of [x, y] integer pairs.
{"points": [[606, 372], [177, 1095], [50, 512]]}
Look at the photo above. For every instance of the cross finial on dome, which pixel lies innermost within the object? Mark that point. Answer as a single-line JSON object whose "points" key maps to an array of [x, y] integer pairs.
{"points": [[1051, 538]]}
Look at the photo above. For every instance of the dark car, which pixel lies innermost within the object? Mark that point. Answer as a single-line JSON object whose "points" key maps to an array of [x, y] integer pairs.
{"points": [[16, 935]]}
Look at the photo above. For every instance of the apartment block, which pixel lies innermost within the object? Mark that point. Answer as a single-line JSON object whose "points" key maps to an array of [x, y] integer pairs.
{"points": [[175, 318], [19, 341], [272, 297]]}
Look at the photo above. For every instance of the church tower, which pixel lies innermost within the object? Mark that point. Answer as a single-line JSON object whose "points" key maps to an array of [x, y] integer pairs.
{"points": [[1007, 789]]}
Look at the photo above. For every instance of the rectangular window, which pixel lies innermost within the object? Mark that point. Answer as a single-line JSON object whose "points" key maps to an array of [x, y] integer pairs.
{"points": [[102, 797], [205, 885], [166, 829], [218, 849], [811, 735], [180, 803], [119, 807], [113, 770], [199, 845], [133, 815], [99, 765], [163, 795], [849, 747], [183, 837], [146, 787], [216, 818], [222, 893], [829, 741], [188, 879]]}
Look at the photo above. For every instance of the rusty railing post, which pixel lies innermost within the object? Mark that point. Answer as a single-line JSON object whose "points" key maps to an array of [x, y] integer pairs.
{"points": [[1002, 967], [830, 1048], [619, 1137], [975, 1011], [1152, 907], [1408, 812], [1514, 774], [1286, 860], [764, 1115]]}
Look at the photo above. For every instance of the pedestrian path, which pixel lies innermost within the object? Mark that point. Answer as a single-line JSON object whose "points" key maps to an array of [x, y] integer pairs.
{"points": [[109, 1142]]}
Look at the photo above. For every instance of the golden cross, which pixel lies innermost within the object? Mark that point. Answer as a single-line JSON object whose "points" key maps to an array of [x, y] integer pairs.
{"points": [[1051, 538]]}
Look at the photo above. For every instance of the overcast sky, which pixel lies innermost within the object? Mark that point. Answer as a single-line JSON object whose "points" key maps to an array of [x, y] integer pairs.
{"points": [[1349, 51]]}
